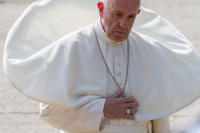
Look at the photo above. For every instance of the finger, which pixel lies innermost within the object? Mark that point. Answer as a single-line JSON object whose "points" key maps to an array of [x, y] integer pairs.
{"points": [[128, 100], [133, 111], [130, 105], [117, 94]]}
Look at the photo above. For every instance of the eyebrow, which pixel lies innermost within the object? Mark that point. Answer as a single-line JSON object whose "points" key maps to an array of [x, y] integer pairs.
{"points": [[115, 12]]}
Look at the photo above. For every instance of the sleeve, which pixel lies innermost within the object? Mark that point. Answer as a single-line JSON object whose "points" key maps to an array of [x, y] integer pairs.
{"points": [[161, 125], [86, 118]]}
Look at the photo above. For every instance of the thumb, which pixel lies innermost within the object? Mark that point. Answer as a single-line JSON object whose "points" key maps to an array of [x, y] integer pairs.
{"points": [[117, 94]]}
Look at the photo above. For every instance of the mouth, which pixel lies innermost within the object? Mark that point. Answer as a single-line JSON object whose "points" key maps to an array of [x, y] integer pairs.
{"points": [[121, 32]]}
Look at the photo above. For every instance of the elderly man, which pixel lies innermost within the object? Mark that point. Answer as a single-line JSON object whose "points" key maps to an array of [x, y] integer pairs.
{"points": [[109, 77], [116, 20]]}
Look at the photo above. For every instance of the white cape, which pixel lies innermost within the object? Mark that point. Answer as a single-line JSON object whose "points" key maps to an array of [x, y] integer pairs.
{"points": [[69, 72]]}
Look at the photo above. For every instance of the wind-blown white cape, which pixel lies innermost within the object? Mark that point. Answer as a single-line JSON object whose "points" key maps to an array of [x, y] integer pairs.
{"points": [[67, 70]]}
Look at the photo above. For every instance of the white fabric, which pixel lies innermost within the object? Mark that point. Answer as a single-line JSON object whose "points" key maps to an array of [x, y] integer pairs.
{"points": [[186, 119], [164, 70], [85, 118], [89, 120], [140, 127]]}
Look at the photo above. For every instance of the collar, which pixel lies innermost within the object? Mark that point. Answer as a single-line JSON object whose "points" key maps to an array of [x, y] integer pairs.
{"points": [[100, 32]]}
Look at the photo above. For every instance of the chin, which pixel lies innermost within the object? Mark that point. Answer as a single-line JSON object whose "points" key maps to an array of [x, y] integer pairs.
{"points": [[119, 39]]}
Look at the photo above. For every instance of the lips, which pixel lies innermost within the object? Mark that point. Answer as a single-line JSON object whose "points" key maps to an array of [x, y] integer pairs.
{"points": [[121, 32]]}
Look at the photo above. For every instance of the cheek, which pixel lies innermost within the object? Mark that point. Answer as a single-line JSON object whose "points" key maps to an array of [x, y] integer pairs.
{"points": [[114, 25], [132, 23], [110, 26], [107, 22], [129, 27]]}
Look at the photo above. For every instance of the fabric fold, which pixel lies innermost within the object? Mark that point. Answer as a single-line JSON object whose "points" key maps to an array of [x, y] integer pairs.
{"points": [[48, 64]]}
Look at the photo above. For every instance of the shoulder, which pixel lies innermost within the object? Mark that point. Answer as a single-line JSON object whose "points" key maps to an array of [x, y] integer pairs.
{"points": [[143, 41], [79, 37], [82, 34], [146, 46]]}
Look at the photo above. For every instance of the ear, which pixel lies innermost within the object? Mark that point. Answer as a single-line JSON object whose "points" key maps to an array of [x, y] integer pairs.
{"points": [[138, 12], [101, 8]]}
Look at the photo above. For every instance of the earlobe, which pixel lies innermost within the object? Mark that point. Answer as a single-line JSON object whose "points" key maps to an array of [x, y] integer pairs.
{"points": [[138, 12]]}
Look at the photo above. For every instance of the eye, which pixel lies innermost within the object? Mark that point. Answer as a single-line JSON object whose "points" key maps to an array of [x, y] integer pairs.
{"points": [[118, 14], [131, 16]]}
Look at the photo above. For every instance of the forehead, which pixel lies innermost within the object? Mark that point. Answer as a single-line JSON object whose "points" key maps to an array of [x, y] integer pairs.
{"points": [[128, 6]]}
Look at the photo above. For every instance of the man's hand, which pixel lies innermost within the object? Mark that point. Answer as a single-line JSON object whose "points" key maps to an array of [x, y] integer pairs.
{"points": [[115, 107]]}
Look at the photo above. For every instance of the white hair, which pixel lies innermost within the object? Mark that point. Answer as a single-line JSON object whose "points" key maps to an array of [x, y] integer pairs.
{"points": [[105, 2]]}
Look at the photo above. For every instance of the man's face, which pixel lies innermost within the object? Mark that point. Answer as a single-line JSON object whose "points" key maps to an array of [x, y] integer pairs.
{"points": [[117, 18]]}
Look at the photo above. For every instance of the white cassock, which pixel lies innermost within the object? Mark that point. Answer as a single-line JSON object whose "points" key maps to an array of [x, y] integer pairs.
{"points": [[68, 72]]}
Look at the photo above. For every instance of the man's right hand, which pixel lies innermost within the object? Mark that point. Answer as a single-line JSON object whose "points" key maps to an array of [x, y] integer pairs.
{"points": [[115, 107]]}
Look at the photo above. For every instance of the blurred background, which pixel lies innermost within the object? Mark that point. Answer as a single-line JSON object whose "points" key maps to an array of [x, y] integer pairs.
{"points": [[19, 114]]}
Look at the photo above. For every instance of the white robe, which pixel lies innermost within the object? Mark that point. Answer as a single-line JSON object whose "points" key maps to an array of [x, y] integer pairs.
{"points": [[164, 72], [89, 118]]}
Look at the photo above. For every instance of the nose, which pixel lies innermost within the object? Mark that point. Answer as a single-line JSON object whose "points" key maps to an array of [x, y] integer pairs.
{"points": [[123, 23]]}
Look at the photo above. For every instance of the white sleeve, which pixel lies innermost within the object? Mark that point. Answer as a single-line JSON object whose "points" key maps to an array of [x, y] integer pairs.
{"points": [[86, 118]]}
